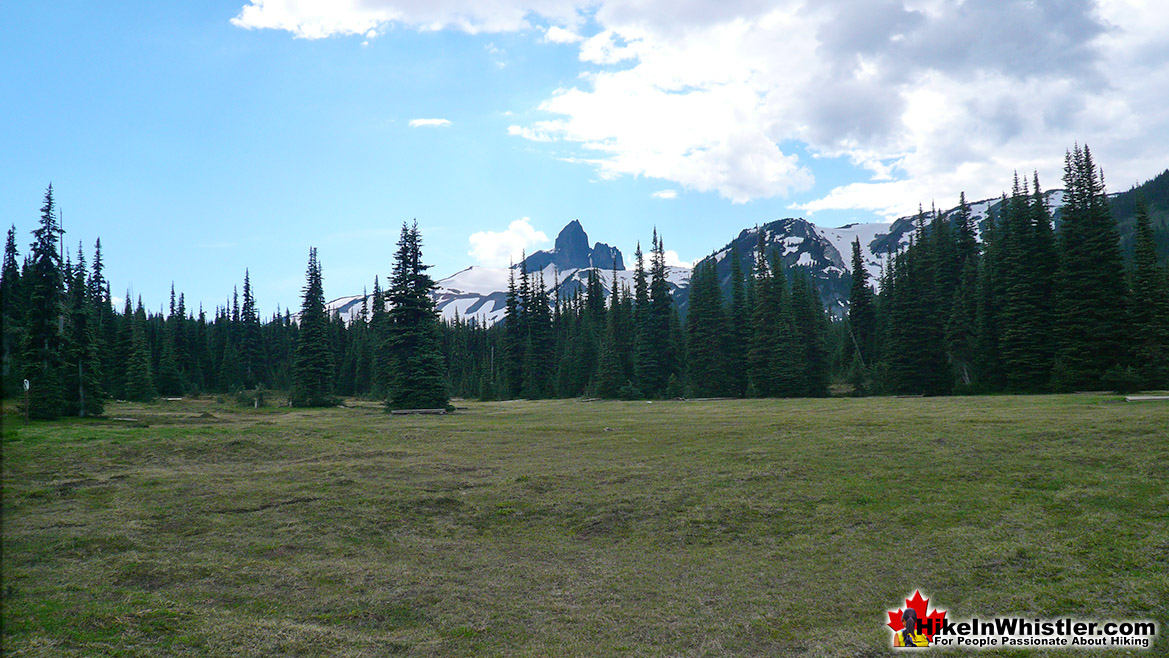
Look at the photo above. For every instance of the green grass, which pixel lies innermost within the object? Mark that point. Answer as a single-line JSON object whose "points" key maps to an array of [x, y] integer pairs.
{"points": [[568, 528]]}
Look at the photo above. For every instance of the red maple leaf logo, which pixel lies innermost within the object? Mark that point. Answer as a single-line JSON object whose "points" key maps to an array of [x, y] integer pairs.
{"points": [[930, 623]]}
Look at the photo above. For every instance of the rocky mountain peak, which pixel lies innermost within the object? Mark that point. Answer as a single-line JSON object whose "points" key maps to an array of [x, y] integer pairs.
{"points": [[571, 251]]}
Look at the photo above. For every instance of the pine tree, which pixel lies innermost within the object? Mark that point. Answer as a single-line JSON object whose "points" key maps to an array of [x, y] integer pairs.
{"points": [[989, 375], [761, 349], [657, 332], [11, 320], [1149, 306], [961, 327], [967, 239], [253, 357], [380, 361], [705, 327], [788, 360], [610, 374], [43, 290], [515, 332], [737, 328], [412, 342], [84, 395], [539, 346], [139, 386], [647, 364], [1090, 305], [862, 318], [810, 325], [312, 371]]}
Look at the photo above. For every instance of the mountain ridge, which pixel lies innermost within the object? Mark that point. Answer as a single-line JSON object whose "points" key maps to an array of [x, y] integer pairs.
{"points": [[481, 292]]}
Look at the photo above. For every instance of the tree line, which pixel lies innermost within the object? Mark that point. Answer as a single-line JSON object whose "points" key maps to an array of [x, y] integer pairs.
{"points": [[1025, 307], [1028, 309], [63, 334]]}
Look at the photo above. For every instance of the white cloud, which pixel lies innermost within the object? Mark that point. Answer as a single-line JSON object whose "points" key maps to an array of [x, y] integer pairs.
{"points": [[929, 97], [556, 34], [424, 123], [317, 19], [673, 260], [665, 194], [498, 248]]}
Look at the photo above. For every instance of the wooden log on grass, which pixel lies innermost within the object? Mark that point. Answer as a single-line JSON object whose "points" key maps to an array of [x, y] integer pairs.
{"points": [[406, 412]]}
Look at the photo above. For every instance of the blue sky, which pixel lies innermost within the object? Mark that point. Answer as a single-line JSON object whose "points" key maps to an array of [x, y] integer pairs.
{"points": [[196, 147]]}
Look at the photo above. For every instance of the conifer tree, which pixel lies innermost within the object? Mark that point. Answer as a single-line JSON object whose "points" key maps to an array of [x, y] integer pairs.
{"points": [[514, 333], [1090, 305], [83, 391], [1022, 342], [810, 325], [1149, 306], [312, 372], [168, 381], [788, 360], [11, 320], [230, 373], [621, 317], [967, 239], [253, 358], [705, 327], [764, 322], [43, 290], [657, 333], [610, 374], [1042, 265], [987, 363], [412, 341], [539, 358], [139, 386], [862, 319], [380, 365], [961, 327], [737, 326], [647, 361]]}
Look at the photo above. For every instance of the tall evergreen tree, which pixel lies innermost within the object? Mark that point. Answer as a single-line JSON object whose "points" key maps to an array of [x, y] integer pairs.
{"points": [[139, 384], [538, 362], [1149, 307], [737, 328], [610, 373], [43, 291], [11, 320], [810, 326], [253, 358], [761, 349], [412, 342], [657, 332], [788, 360], [647, 360], [1023, 344], [705, 327], [312, 371], [862, 318], [83, 392], [966, 236], [515, 332], [1090, 305]]}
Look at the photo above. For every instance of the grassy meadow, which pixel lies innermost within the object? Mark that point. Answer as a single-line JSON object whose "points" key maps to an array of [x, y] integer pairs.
{"points": [[574, 528]]}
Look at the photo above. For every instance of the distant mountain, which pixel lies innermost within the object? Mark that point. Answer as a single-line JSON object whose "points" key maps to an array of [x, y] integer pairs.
{"points": [[481, 292], [572, 252], [826, 253]]}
